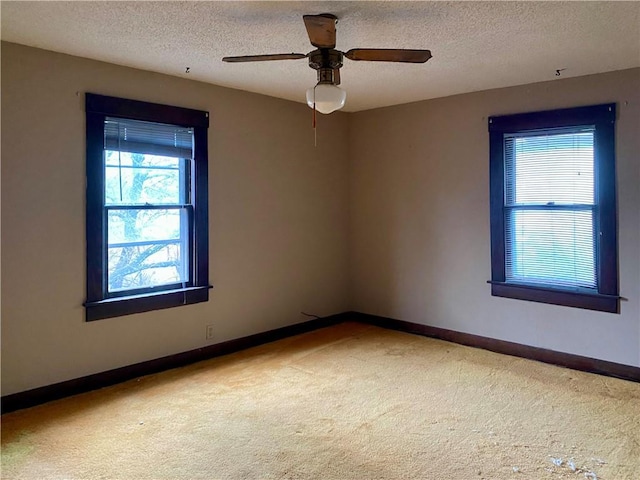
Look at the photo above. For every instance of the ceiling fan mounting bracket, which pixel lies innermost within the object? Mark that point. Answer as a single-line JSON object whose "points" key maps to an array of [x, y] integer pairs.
{"points": [[328, 15]]}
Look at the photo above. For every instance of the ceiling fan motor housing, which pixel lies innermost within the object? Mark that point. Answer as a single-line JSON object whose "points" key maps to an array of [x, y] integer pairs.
{"points": [[326, 61]]}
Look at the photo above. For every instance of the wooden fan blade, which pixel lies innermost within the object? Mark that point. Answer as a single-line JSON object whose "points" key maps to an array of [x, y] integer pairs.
{"points": [[336, 76], [388, 55], [321, 30], [263, 58]]}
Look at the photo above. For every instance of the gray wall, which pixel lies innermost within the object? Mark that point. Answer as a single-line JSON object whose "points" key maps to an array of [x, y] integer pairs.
{"points": [[278, 222], [419, 230], [388, 215]]}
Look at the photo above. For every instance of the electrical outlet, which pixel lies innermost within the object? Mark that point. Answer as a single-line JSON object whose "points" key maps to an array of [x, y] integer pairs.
{"points": [[209, 332]]}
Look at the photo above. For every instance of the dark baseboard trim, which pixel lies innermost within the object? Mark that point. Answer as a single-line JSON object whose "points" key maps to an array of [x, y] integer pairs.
{"points": [[37, 396], [576, 362]]}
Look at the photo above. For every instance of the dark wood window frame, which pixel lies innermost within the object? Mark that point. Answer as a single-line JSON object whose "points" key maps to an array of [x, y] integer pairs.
{"points": [[602, 117], [98, 304]]}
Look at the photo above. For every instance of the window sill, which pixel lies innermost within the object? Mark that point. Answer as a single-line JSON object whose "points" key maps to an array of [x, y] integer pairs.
{"points": [[567, 298], [119, 306]]}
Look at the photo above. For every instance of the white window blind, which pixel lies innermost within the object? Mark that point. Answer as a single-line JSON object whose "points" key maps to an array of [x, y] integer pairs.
{"points": [[147, 137], [148, 203], [550, 208]]}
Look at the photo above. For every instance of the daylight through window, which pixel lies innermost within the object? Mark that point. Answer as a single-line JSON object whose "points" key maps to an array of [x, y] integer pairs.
{"points": [[550, 203], [146, 197], [553, 207]]}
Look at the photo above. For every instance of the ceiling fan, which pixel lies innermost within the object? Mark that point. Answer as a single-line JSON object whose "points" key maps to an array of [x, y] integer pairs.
{"points": [[326, 96]]}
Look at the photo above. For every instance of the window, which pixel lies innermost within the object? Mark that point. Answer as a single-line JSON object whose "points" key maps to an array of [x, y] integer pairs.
{"points": [[147, 210], [553, 207]]}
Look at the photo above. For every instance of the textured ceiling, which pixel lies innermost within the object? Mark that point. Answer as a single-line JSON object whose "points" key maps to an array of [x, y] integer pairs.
{"points": [[475, 45]]}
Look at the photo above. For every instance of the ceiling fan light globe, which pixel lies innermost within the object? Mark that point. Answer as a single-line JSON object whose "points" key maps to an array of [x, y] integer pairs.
{"points": [[328, 98]]}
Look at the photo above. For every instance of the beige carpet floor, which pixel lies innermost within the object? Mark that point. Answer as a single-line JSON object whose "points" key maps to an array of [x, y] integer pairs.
{"points": [[346, 402]]}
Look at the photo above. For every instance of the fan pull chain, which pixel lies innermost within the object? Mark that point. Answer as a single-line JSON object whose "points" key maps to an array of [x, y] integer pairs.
{"points": [[315, 128]]}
